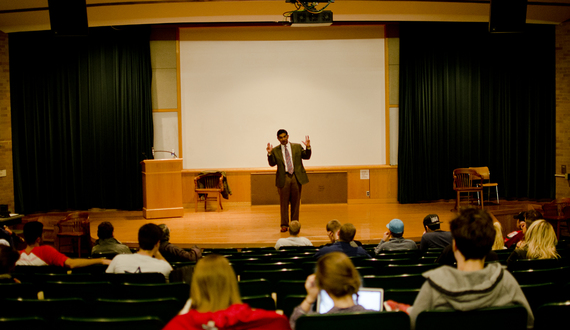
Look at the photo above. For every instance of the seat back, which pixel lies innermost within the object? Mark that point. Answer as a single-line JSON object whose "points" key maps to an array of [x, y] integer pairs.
{"points": [[483, 171], [464, 178], [404, 281], [359, 320], [179, 290], [262, 301], [116, 323], [20, 323], [551, 315], [492, 318], [255, 287], [163, 308], [209, 181]]}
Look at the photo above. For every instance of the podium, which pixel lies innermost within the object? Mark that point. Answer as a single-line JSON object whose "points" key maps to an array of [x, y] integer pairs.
{"points": [[162, 188]]}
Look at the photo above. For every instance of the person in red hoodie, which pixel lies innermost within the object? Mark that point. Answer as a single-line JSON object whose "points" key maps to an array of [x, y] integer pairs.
{"points": [[215, 302]]}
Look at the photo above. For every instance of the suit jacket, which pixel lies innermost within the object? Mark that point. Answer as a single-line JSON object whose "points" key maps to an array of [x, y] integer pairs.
{"points": [[298, 154]]}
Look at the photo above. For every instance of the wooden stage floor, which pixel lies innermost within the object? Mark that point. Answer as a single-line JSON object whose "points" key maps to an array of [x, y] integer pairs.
{"points": [[258, 226]]}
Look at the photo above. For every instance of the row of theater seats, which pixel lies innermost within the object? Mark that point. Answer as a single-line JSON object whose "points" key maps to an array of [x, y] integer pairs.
{"points": [[93, 293], [548, 316]]}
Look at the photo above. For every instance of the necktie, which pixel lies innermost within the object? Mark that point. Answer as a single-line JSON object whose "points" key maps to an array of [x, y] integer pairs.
{"points": [[288, 160]]}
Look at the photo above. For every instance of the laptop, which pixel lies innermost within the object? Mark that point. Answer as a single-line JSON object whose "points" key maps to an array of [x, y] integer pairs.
{"points": [[369, 298]]}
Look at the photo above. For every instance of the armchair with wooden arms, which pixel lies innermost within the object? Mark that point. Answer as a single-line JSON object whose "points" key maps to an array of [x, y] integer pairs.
{"points": [[209, 184], [466, 180], [75, 229]]}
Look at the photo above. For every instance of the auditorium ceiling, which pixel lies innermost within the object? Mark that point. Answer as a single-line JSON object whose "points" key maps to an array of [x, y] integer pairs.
{"points": [[33, 15]]}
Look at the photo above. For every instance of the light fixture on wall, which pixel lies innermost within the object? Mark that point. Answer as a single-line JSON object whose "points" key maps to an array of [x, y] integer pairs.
{"points": [[308, 15]]}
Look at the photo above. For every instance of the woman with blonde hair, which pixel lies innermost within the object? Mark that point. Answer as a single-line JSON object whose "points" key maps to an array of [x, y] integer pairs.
{"points": [[335, 274], [539, 243], [215, 302], [499, 243]]}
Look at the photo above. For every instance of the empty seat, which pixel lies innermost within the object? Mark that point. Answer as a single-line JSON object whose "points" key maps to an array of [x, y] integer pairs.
{"points": [[493, 318], [116, 323], [261, 301], [360, 320], [551, 315]]}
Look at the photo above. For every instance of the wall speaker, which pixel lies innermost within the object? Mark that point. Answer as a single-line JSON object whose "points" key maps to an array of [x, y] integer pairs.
{"points": [[507, 16], [68, 17]]}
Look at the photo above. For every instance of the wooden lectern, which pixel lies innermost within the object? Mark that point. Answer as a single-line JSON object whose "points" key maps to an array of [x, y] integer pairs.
{"points": [[162, 188]]}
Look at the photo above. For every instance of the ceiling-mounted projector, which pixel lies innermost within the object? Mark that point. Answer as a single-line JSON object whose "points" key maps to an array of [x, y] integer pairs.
{"points": [[304, 18]]}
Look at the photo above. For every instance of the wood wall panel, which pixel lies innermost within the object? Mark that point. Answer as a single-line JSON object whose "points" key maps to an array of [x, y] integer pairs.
{"points": [[383, 183]]}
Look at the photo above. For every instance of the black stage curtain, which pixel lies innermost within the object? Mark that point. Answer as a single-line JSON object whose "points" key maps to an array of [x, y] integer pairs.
{"points": [[471, 98], [81, 119]]}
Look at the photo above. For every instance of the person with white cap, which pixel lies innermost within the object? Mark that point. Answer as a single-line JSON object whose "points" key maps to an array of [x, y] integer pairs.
{"points": [[393, 239], [433, 236]]}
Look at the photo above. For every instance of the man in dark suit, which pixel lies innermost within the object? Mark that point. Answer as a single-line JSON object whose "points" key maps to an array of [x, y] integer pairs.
{"points": [[291, 174]]}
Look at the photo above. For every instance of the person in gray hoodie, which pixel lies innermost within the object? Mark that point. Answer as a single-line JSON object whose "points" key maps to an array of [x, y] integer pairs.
{"points": [[472, 285]]}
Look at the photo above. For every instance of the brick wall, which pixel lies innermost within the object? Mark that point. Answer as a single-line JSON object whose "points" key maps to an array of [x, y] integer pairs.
{"points": [[7, 182], [562, 106]]}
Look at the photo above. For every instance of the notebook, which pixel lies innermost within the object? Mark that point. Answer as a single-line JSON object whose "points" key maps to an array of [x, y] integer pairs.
{"points": [[369, 298]]}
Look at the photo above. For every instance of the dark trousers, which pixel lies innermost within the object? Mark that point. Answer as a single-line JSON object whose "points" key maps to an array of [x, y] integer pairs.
{"points": [[290, 194]]}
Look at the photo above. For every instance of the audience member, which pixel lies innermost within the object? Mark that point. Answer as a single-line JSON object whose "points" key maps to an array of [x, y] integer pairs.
{"points": [[336, 275], [36, 254], [333, 228], [293, 239], [8, 258], [106, 242], [215, 302], [394, 240], [499, 243], [148, 259], [344, 244], [524, 220], [539, 243], [433, 236], [472, 285], [173, 253]]}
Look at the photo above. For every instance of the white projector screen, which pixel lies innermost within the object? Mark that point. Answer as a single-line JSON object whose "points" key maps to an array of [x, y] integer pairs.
{"points": [[240, 85]]}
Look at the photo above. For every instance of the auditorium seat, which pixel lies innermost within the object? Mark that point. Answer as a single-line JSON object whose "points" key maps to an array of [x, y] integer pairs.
{"points": [[116, 323], [254, 287], [133, 278], [261, 301], [288, 303], [404, 296], [408, 269], [88, 291], [539, 294], [552, 315], [493, 318], [403, 281], [23, 323], [48, 309], [359, 320], [556, 275], [19, 290], [268, 265], [274, 276], [163, 308], [522, 264], [287, 287]]}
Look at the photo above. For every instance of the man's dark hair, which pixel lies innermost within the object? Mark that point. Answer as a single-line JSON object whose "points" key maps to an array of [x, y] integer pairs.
{"points": [[473, 233], [105, 230], [33, 230], [281, 131], [531, 216], [149, 235], [347, 232], [399, 235]]}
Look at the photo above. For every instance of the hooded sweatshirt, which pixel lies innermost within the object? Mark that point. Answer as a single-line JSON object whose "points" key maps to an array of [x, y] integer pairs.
{"points": [[235, 317], [450, 288]]}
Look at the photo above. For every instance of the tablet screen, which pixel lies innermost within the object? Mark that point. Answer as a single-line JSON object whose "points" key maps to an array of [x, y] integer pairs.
{"points": [[369, 298]]}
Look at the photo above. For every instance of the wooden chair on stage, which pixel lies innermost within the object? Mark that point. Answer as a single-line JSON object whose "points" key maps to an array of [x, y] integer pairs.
{"points": [[466, 180], [556, 211], [207, 187], [74, 229], [486, 175]]}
